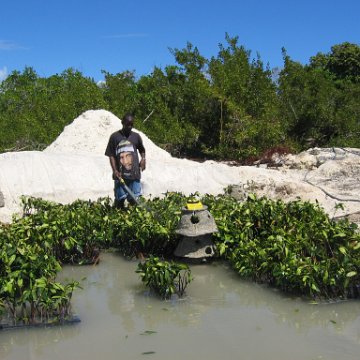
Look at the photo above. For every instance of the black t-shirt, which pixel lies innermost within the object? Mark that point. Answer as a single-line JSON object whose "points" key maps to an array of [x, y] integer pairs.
{"points": [[125, 151]]}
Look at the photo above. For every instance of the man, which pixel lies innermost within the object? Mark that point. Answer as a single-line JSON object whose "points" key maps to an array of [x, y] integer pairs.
{"points": [[122, 150]]}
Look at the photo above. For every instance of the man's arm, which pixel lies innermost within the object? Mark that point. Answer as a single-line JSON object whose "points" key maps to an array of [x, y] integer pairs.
{"points": [[141, 150], [110, 152], [116, 173], [142, 163]]}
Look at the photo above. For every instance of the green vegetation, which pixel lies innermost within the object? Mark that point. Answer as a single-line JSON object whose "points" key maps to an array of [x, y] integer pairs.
{"points": [[230, 106], [48, 235], [165, 278], [34, 110], [294, 246], [28, 289]]}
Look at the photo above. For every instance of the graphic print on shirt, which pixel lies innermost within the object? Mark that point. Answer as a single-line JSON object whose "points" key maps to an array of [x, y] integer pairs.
{"points": [[125, 153]]}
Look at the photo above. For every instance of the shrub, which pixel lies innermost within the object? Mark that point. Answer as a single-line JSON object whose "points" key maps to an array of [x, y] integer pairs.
{"points": [[163, 277]]}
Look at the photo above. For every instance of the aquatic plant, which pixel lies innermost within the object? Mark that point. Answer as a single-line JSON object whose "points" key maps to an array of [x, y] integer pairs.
{"points": [[29, 292], [74, 232], [150, 227], [294, 246], [165, 278]]}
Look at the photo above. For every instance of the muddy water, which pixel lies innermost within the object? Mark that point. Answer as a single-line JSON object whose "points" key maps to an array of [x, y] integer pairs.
{"points": [[222, 317]]}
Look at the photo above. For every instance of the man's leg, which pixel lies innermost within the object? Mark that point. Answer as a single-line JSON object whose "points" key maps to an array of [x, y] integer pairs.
{"points": [[135, 187], [119, 204], [120, 195]]}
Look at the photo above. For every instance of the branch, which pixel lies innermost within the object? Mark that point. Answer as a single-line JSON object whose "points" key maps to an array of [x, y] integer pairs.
{"points": [[149, 115]]}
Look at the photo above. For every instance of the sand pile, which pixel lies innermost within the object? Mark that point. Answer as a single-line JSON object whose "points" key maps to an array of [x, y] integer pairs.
{"points": [[74, 166], [89, 133]]}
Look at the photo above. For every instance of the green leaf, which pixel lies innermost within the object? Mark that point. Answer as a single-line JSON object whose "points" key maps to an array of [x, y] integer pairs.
{"points": [[341, 235], [222, 248], [314, 287], [351, 274], [326, 276], [342, 250], [11, 259]]}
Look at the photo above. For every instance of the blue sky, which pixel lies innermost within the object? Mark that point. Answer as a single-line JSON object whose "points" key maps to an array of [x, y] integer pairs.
{"points": [[117, 35]]}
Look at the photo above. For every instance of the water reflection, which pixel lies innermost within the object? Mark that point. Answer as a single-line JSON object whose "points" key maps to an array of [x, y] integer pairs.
{"points": [[299, 312], [221, 312], [215, 286], [33, 340]]}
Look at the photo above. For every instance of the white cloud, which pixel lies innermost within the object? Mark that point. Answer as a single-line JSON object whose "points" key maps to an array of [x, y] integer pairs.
{"points": [[3, 73], [9, 45]]}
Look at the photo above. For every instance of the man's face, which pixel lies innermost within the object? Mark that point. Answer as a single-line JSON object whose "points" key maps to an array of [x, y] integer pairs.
{"points": [[127, 125]]}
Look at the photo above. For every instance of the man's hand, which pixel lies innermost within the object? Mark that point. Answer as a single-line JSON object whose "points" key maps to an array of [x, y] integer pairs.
{"points": [[116, 175], [142, 164]]}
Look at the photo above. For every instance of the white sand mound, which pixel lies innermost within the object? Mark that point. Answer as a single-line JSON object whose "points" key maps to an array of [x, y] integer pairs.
{"points": [[89, 134], [74, 166]]}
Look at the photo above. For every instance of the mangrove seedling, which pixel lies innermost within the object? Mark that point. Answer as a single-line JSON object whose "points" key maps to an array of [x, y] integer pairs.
{"points": [[165, 278]]}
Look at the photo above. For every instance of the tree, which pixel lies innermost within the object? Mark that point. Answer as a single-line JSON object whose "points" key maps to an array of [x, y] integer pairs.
{"points": [[343, 61], [247, 97], [120, 92], [314, 104], [160, 100], [196, 105], [35, 110]]}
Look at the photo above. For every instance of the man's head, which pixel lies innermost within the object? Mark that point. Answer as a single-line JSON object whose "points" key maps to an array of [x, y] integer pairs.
{"points": [[127, 123]]}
